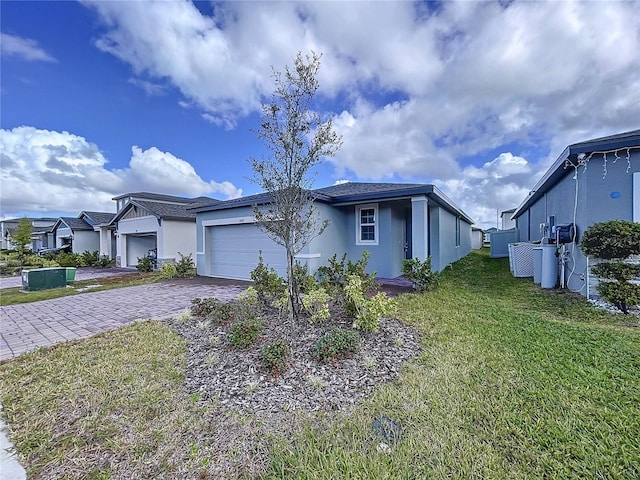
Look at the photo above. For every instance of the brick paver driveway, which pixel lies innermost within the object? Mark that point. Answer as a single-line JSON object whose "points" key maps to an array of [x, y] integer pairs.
{"points": [[29, 326]]}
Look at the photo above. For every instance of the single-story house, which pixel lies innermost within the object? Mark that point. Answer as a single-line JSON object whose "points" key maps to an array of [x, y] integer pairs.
{"points": [[153, 224], [392, 221], [41, 236], [507, 222], [106, 240], [590, 182], [76, 232]]}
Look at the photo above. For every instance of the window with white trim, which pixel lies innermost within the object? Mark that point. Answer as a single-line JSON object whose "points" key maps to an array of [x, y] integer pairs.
{"points": [[367, 224]]}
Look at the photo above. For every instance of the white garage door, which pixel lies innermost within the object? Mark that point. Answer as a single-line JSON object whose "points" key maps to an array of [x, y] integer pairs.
{"points": [[234, 251]]}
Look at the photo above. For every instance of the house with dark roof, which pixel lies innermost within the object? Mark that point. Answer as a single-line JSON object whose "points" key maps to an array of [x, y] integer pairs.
{"points": [[393, 221], [590, 182], [156, 225], [81, 233], [41, 236]]}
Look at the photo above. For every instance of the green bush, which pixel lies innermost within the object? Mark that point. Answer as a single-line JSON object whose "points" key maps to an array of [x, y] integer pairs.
{"points": [[420, 274], [266, 282], [243, 333], [203, 307], [106, 261], [168, 270], [303, 281], [145, 264], [185, 266], [616, 239], [68, 259], [336, 343], [274, 356], [90, 259], [368, 310], [316, 304], [334, 277]]}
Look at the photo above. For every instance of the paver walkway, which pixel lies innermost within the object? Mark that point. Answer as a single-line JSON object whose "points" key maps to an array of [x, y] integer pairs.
{"points": [[28, 326]]}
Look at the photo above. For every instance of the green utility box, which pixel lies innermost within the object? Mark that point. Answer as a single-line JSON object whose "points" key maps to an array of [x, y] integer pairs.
{"points": [[44, 278], [71, 274]]}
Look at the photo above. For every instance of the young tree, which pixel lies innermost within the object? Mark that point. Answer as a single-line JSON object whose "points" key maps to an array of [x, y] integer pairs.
{"points": [[297, 140], [22, 237]]}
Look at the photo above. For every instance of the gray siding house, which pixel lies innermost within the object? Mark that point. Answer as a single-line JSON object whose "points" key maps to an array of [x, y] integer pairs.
{"points": [[151, 222], [590, 182], [391, 221]]}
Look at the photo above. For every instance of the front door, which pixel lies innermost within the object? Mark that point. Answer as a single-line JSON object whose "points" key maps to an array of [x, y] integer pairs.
{"points": [[406, 233]]}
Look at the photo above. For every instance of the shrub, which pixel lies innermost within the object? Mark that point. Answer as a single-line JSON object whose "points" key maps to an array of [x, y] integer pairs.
{"points": [[168, 271], [106, 261], [185, 266], [274, 356], [243, 333], [316, 304], [266, 282], [335, 344], [203, 307], [333, 278], [90, 259], [615, 240], [419, 273], [247, 306], [68, 259], [368, 310], [145, 264], [304, 282]]}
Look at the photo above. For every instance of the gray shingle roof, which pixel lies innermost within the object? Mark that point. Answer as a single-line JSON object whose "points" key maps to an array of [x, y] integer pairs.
{"points": [[163, 198], [351, 192], [98, 218], [76, 223], [357, 188], [166, 210]]}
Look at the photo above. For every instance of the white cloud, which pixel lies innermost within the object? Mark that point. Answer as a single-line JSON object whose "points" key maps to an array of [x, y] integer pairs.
{"points": [[421, 86], [47, 171], [25, 48], [151, 89], [498, 185]]}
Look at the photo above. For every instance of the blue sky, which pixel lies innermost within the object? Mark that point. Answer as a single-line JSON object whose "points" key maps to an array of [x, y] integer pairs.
{"points": [[103, 98]]}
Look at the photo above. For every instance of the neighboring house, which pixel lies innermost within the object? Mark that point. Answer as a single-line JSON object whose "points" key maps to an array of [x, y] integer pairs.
{"points": [[41, 236], [505, 218], [392, 221], [105, 235], [590, 182], [153, 224], [81, 232], [477, 238]]}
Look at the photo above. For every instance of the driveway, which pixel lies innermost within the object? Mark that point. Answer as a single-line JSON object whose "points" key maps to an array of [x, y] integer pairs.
{"points": [[28, 326]]}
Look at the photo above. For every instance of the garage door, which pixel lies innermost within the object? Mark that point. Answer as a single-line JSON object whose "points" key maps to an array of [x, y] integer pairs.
{"points": [[234, 251]]}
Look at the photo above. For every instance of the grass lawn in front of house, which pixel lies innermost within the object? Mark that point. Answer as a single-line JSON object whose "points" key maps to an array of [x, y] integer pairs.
{"points": [[512, 382]]}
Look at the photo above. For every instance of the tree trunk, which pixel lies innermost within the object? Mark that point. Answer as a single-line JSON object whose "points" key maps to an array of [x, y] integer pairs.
{"points": [[291, 290]]}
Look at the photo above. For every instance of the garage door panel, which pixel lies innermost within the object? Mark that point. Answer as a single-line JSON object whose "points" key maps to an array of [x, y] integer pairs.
{"points": [[235, 249]]}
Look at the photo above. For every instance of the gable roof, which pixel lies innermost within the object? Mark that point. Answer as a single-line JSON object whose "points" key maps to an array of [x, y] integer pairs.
{"points": [[160, 197], [75, 224], [160, 210], [559, 170], [352, 192], [97, 218]]}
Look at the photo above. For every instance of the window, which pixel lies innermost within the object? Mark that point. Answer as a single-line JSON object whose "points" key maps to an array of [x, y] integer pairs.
{"points": [[457, 231], [367, 225]]}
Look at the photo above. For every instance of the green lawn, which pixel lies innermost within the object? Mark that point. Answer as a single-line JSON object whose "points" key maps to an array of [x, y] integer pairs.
{"points": [[513, 382]]}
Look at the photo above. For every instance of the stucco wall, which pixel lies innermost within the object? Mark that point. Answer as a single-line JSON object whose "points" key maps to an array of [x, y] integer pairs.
{"points": [[85, 240], [589, 198], [176, 237]]}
